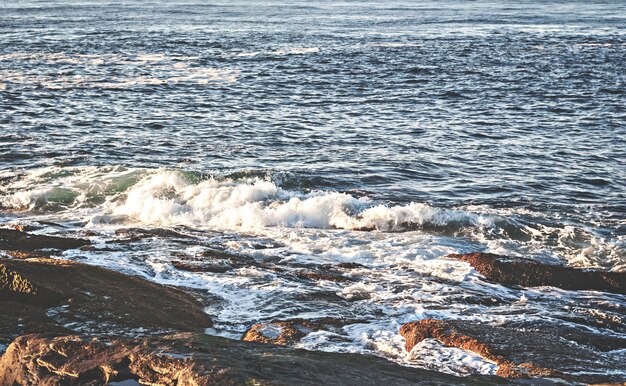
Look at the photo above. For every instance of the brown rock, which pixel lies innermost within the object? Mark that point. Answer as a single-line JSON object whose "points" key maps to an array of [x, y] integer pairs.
{"points": [[288, 332], [524, 352], [529, 273], [196, 359], [448, 335]]}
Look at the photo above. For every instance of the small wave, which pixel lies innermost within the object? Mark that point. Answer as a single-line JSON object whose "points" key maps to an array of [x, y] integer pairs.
{"points": [[169, 198]]}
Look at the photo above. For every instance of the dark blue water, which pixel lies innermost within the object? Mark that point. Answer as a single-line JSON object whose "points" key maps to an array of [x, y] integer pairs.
{"points": [[443, 126]]}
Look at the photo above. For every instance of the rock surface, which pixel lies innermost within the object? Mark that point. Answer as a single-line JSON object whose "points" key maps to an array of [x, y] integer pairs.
{"points": [[15, 240], [529, 273], [288, 332], [196, 359], [50, 295], [519, 352]]}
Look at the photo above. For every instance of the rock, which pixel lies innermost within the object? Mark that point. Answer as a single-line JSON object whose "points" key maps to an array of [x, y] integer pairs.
{"points": [[202, 267], [90, 299], [350, 265], [288, 332], [529, 273], [323, 275], [520, 353], [14, 287], [14, 240], [196, 359], [133, 234], [213, 261]]}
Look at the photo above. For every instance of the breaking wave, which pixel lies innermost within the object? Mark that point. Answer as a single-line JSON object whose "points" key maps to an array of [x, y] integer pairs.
{"points": [[172, 197]]}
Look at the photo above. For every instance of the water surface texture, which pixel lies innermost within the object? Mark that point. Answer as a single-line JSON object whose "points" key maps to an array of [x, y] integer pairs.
{"points": [[386, 133]]}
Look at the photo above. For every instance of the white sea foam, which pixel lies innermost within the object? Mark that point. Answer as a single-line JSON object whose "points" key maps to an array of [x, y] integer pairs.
{"points": [[168, 198]]}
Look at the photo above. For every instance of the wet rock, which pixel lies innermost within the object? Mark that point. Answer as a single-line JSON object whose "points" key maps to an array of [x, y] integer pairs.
{"points": [[201, 267], [446, 333], [350, 265], [14, 240], [133, 234], [519, 352], [89, 299], [529, 273], [196, 359], [213, 261], [288, 332], [323, 275]]}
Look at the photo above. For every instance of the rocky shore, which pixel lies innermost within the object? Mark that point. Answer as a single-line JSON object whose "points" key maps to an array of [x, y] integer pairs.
{"points": [[64, 322]]}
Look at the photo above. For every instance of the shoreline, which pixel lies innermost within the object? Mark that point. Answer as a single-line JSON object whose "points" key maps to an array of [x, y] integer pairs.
{"points": [[51, 302]]}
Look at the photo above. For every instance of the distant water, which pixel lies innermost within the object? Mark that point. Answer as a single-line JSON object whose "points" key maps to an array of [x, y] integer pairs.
{"points": [[384, 133]]}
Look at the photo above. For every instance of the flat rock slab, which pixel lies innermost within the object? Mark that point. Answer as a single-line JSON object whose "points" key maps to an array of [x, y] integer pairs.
{"points": [[528, 273], [196, 359], [47, 295], [15, 240]]}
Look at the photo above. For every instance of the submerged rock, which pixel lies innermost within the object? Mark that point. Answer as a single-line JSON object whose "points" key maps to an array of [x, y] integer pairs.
{"points": [[521, 352], [196, 359], [529, 273], [15, 240], [134, 234]]}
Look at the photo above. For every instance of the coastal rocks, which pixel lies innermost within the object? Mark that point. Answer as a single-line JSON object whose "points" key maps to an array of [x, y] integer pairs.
{"points": [[529, 273], [522, 352], [197, 359], [288, 332], [15, 240], [448, 335], [49, 295]]}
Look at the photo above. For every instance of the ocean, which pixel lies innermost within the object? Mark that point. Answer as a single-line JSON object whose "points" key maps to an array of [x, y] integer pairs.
{"points": [[371, 137]]}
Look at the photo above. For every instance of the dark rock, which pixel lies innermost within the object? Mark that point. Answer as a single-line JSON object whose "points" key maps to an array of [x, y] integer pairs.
{"points": [[202, 267], [90, 298], [529, 273], [196, 359], [16, 288], [133, 234], [519, 352], [323, 275], [14, 240], [214, 261], [350, 265]]}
